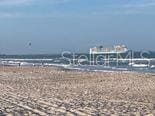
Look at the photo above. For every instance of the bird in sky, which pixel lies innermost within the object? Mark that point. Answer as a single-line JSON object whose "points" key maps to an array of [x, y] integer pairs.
{"points": [[30, 44]]}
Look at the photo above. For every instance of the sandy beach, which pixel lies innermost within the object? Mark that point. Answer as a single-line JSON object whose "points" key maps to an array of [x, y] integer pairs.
{"points": [[49, 91]]}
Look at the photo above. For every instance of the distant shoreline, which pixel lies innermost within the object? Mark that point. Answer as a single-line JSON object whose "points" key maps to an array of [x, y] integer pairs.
{"points": [[74, 70]]}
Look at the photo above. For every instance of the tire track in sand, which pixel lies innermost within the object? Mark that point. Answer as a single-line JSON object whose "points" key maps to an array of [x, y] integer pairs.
{"points": [[40, 107]]}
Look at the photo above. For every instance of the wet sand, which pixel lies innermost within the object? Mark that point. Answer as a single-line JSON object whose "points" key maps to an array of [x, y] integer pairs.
{"points": [[47, 91]]}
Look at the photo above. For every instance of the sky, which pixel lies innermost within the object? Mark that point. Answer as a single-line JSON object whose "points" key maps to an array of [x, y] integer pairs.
{"points": [[54, 26]]}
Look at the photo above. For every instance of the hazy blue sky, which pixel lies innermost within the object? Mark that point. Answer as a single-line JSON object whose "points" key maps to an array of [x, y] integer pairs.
{"points": [[53, 26]]}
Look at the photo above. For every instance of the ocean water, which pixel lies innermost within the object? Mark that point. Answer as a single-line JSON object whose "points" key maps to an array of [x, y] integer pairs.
{"points": [[143, 61]]}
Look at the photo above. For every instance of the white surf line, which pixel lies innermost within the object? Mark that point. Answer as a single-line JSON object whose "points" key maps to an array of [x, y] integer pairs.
{"points": [[11, 59], [133, 59]]}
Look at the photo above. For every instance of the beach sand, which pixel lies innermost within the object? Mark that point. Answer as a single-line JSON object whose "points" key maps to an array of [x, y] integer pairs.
{"points": [[49, 91]]}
